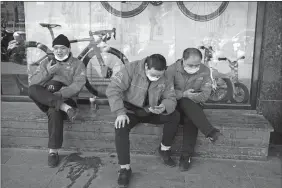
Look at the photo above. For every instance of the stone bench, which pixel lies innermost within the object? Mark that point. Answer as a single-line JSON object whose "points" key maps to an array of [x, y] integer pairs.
{"points": [[246, 133]]}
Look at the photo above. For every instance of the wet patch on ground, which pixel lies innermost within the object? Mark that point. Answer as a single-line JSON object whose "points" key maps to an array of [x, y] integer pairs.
{"points": [[77, 165]]}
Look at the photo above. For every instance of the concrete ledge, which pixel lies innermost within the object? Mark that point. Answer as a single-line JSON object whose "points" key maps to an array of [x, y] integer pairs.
{"points": [[243, 119], [246, 133]]}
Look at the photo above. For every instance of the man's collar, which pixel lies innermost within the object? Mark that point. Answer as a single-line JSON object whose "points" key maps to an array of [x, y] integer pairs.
{"points": [[141, 67], [179, 66]]}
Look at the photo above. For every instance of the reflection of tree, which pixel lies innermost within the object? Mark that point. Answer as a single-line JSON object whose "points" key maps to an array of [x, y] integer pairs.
{"points": [[96, 7], [130, 36], [67, 8], [153, 23], [72, 13], [156, 15]]}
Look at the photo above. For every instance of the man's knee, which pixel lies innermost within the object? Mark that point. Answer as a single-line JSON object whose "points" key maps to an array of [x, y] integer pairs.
{"points": [[187, 104], [121, 132], [32, 90], [185, 101]]}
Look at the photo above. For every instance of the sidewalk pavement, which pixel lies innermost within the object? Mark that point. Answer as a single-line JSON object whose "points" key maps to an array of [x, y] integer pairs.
{"points": [[27, 168]]}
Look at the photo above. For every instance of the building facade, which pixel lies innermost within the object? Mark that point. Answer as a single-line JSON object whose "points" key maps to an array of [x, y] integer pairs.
{"points": [[240, 41]]}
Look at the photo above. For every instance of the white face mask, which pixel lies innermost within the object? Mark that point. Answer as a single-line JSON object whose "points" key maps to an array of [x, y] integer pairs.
{"points": [[153, 79], [63, 58], [191, 70]]}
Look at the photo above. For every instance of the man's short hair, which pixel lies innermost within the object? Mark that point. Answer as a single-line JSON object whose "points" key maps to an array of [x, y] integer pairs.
{"points": [[156, 61], [192, 52]]}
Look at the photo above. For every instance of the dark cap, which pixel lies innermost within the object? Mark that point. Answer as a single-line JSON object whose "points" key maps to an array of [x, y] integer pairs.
{"points": [[61, 40]]}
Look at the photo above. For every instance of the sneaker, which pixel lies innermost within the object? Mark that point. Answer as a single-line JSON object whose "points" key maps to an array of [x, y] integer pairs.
{"points": [[184, 163], [72, 113], [124, 177], [216, 137], [166, 157], [53, 159]]}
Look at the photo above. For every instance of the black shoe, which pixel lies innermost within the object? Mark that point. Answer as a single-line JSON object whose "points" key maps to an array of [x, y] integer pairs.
{"points": [[166, 157], [184, 163], [53, 159], [216, 137], [72, 113], [124, 177]]}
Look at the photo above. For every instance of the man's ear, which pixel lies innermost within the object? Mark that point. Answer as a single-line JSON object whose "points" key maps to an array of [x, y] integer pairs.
{"points": [[146, 66]]}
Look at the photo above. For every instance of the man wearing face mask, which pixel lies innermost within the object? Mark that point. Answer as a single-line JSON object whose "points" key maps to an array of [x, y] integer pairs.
{"points": [[141, 93], [193, 87], [54, 87]]}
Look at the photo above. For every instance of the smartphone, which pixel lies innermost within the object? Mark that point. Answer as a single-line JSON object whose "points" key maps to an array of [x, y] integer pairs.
{"points": [[157, 107], [197, 91]]}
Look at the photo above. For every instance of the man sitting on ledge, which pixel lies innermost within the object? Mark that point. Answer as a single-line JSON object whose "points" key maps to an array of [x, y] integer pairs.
{"points": [[141, 93], [53, 88], [193, 87]]}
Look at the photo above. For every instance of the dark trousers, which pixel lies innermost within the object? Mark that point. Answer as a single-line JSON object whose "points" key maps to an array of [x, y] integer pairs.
{"points": [[50, 104], [170, 122], [192, 118]]}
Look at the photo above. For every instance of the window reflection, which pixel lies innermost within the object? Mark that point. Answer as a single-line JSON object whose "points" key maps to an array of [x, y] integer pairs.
{"points": [[224, 31]]}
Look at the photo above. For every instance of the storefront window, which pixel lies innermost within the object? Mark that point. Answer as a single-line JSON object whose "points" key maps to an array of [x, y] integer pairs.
{"points": [[223, 31]]}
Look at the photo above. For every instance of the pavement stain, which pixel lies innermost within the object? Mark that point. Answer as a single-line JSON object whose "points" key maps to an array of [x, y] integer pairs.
{"points": [[77, 165]]}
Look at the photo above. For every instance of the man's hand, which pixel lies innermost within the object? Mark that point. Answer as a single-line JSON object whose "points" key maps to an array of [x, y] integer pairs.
{"points": [[121, 120], [189, 93], [157, 109], [59, 94], [52, 66]]}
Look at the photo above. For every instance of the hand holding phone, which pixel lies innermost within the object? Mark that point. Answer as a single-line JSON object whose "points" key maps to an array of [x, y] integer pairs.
{"points": [[196, 91], [157, 109]]}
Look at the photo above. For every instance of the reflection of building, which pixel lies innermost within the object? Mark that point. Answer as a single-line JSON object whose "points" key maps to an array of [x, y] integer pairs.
{"points": [[12, 12]]}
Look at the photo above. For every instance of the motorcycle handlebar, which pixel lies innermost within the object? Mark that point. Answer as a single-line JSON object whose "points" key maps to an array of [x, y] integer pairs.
{"points": [[222, 59], [104, 33], [226, 59]]}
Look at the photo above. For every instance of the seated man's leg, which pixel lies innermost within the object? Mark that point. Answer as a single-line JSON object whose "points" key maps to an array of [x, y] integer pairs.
{"points": [[170, 122], [196, 114], [55, 130], [45, 99], [190, 133], [123, 149], [41, 95]]}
